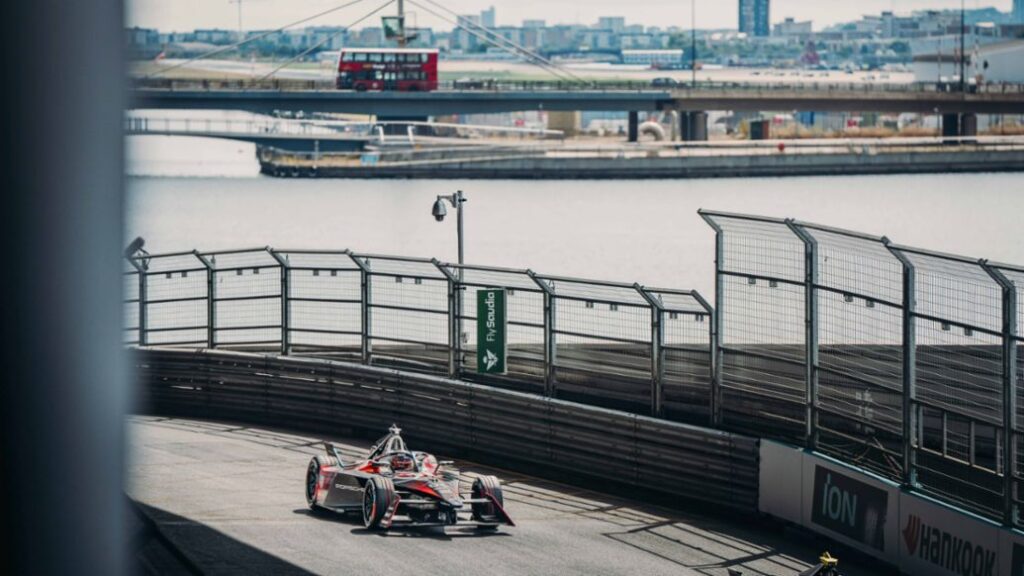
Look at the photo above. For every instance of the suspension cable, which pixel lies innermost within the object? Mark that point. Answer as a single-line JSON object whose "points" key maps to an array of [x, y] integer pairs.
{"points": [[497, 40], [319, 44], [245, 41]]}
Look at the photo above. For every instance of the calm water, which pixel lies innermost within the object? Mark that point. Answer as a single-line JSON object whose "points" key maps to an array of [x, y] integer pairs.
{"points": [[187, 193]]}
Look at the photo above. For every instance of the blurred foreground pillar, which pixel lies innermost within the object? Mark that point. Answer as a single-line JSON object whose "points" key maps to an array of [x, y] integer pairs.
{"points": [[64, 388]]}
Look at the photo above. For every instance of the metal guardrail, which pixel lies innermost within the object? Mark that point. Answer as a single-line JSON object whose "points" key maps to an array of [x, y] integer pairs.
{"points": [[648, 456], [492, 85], [899, 360], [608, 344]]}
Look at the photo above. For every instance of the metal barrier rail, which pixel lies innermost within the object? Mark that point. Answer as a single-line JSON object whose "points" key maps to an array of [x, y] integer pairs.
{"points": [[608, 344], [486, 85], [896, 359], [505, 428]]}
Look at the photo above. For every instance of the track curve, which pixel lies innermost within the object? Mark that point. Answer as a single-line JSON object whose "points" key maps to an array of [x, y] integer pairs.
{"points": [[230, 498]]}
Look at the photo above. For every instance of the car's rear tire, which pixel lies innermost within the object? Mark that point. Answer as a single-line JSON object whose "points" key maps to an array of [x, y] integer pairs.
{"points": [[312, 478], [485, 512], [378, 497]]}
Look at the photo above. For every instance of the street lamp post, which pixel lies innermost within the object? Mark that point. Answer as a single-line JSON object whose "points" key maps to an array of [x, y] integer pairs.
{"points": [[439, 212]]}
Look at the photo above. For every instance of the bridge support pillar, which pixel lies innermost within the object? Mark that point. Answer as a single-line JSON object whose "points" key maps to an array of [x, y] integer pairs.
{"points": [[950, 125], [968, 124], [633, 131], [693, 126]]}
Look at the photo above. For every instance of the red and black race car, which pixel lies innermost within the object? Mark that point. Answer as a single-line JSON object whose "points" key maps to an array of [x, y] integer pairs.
{"points": [[394, 486]]}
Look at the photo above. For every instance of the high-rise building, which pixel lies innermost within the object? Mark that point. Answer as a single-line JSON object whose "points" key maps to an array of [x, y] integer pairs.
{"points": [[754, 17], [1018, 11], [487, 18]]}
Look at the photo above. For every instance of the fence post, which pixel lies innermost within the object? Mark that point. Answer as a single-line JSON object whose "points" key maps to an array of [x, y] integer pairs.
{"points": [[811, 334], [550, 377], [715, 400], [910, 428], [716, 319], [211, 300], [1009, 392], [140, 269], [366, 349], [286, 332], [657, 350], [454, 320]]}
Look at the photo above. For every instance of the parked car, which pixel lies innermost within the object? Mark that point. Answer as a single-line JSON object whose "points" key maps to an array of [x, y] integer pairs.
{"points": [[664, 82]]}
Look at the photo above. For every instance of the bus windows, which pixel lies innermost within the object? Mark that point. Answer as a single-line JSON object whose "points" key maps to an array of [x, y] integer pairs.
{"points": [[359, 57], [375, 56]]}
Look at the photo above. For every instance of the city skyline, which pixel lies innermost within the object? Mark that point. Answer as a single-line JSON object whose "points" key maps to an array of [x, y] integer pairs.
{"points": [[262, 14]]}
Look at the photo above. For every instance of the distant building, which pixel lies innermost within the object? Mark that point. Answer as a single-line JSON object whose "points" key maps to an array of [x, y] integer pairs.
{"points": [[755, 18], [613, 23], [487, 18], [653, 58], [534, 24], [135, 37], [1000, 62], [1018, 11], [215, 36], [790, 28]]}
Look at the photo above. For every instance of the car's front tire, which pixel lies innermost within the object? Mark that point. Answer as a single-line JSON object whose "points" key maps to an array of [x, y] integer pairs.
{"points": [[483, 486], [378, 497]]}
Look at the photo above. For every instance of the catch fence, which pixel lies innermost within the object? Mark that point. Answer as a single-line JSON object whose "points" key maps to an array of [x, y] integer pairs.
{"points": [[899, 360], [608, 344]]}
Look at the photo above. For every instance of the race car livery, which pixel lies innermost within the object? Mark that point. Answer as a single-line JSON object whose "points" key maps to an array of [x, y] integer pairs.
{"points": [[395, 486]]}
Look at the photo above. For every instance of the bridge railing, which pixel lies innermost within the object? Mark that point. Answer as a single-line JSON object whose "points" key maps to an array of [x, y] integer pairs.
{"points": [[811, 86], [899, 360]]}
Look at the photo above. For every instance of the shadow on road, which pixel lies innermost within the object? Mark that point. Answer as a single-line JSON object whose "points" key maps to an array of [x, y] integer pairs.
{"points": [[168, 544], [429, 532]]}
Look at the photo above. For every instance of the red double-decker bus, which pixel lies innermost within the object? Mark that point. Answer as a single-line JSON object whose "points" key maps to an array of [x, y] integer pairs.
{"points": [[401, 69]]}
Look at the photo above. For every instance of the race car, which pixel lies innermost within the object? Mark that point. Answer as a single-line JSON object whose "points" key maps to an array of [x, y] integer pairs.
{"points": [[395, 486]]}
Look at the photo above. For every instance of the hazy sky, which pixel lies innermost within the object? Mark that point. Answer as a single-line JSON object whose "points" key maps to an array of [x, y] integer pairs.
{"points": [[188, 14]]}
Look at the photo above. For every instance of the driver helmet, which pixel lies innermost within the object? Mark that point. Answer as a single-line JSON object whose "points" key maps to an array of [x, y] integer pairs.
{"points": [[402, 463]]}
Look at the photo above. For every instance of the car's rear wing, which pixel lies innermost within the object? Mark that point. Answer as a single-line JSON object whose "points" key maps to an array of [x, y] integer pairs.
{"points": [[334, 452]]}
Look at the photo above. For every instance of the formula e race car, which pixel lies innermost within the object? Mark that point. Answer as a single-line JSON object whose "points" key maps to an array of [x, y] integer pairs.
{"points": [[394, 486]]}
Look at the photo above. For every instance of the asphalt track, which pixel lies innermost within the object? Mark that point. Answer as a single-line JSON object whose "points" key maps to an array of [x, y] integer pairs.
{"points": [[230, 498]]}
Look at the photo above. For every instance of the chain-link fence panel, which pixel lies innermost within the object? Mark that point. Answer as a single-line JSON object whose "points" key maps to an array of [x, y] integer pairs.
{"points": [[603, 350], [761, 271], [409, 308], [177, 301], [132, 273], [324, 303], [859, 294], [686, 355], [524, 300], [247, 299]]}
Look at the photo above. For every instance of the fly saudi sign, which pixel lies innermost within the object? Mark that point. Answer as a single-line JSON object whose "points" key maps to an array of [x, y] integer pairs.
{"points": [[491, 331]]}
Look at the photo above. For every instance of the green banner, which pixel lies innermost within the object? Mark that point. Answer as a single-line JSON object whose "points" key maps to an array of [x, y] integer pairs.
{"points": [[491, 331]]}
